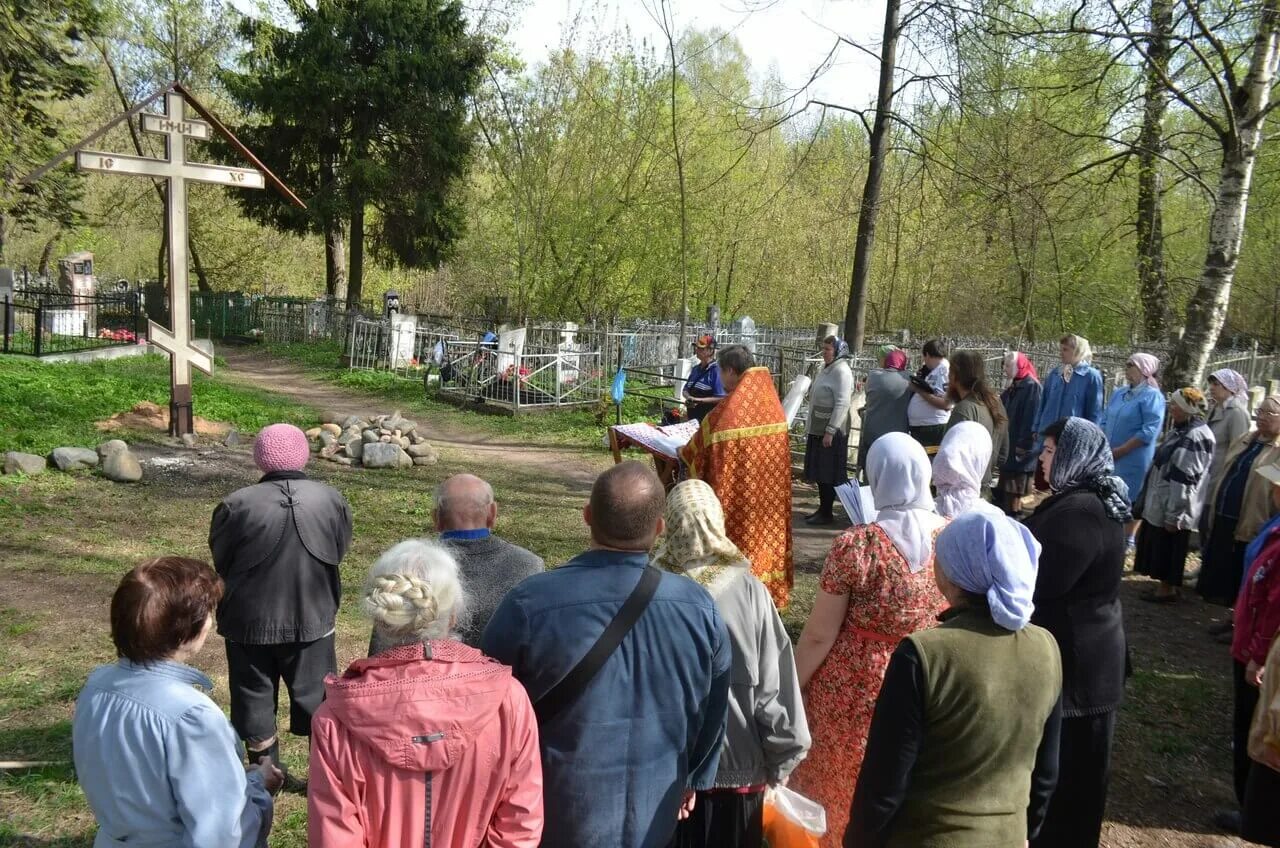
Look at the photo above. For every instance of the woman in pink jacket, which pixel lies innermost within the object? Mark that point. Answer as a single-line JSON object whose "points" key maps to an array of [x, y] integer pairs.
{"points": [[428, 737]]}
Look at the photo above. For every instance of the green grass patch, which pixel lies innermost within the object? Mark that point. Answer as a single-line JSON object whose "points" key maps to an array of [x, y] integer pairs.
{"points": [[80, 533], [47, 405]]}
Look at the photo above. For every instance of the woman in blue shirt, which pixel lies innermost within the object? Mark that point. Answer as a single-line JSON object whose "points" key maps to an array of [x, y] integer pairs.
{"points": [[1132, 423], [157, 759], [1075, 389], [703, 389]]}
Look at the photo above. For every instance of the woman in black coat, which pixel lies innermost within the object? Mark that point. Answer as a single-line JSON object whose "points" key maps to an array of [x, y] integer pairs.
{"points": [[1081, 530]]}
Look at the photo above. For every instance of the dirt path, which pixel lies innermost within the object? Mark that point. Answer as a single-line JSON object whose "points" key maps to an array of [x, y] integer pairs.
{"points": [[257, 368]]}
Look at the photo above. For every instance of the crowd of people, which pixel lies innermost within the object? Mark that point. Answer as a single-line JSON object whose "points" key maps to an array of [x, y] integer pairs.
{"points": [[957, 682]]}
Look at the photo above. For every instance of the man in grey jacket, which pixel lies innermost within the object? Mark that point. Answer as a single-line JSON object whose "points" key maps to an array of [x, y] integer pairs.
{"points": [[464, 515], [277, 545]]}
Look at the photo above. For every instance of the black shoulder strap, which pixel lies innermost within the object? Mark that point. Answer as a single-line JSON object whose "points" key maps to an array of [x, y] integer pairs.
{"points": [[573, 684]]}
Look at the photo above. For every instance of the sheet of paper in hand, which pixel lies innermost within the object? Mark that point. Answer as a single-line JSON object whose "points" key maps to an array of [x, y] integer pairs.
{"points": [[666, 441], [857, 502]]}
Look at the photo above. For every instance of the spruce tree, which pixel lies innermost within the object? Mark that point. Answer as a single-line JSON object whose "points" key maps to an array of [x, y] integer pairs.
{"points": [[361, 107]]}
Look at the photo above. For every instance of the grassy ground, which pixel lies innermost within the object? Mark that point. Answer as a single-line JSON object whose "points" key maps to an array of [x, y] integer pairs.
{"points": [[71, 537], [44, 406]]}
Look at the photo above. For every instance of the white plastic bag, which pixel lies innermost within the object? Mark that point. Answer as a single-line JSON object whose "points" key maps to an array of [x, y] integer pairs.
{"points": [[792, 820]]}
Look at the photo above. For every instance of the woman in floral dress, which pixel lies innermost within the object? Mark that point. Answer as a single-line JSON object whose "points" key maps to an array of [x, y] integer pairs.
{"points": [[877, 586]]}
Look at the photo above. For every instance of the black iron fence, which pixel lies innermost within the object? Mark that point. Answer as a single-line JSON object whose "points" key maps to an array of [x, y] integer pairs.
{"points": [[41, 323]]}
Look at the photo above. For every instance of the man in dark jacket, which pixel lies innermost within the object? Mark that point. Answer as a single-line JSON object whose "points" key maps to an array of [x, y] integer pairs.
{"points": [[621, 761], [277, 545]]}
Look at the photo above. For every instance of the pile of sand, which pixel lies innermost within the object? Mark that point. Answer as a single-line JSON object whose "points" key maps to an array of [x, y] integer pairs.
{"points": [[150, 416]]}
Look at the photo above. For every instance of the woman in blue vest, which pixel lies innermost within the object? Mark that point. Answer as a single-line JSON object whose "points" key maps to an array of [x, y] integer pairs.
{"points": [[703, 389], [1132, 423]]}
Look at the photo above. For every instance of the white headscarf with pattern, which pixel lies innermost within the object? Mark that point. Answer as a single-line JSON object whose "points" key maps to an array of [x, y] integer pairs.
{"points": [[695, 543]]}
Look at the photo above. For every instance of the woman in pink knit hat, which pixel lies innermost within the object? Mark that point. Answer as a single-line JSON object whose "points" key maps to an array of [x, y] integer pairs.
{"points": [[277, 545]]}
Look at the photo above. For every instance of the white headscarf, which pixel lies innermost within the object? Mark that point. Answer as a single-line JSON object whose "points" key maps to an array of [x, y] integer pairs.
{"points": [[898, 469], [960, 468]]}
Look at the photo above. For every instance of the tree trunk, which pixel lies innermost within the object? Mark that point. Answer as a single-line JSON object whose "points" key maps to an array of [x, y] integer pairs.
{"points": [[1153, 284], [684, 217], [162, 258], [1207, 309], [855, 315], [46, 255], [202, 277], [335, 273], [355, 279]]}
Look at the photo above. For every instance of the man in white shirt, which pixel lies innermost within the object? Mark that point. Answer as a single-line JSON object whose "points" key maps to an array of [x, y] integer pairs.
{"points": [[930, 408]]}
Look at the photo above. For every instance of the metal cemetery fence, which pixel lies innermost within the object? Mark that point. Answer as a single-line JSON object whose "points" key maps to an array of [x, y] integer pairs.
{"points": [[532, 378], [41, 323], [218, 315], [468, 370]]}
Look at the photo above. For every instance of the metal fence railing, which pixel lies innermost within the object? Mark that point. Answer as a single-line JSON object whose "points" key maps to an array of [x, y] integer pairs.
{"points": [[530, 378], [41, 323], [218, 315]]}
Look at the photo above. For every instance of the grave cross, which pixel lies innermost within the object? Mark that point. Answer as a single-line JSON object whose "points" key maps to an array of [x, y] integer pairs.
{"points": [[175, 170]]}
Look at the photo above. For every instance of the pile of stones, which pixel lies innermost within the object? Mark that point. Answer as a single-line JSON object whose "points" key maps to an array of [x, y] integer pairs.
{"points": [[113, 458], [382, 441]]}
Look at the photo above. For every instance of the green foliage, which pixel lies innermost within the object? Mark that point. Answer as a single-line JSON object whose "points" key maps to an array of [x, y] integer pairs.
{"points": [[40, 67], [364, 104], [44, 406]]}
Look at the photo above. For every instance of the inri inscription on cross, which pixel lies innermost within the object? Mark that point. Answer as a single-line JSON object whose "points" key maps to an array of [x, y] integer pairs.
{"points": [[176, 170]]}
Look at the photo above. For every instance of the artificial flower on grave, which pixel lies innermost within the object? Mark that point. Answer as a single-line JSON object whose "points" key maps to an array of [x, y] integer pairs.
{"points": [[509, 375], [122, 335]]}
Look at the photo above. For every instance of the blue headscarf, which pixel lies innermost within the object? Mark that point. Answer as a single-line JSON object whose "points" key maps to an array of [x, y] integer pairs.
{"points": [[1082, 460], [996, 557]]}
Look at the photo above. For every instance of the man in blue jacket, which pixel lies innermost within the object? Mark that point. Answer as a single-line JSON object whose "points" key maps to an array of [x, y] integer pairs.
{"points": [[622, 761]]}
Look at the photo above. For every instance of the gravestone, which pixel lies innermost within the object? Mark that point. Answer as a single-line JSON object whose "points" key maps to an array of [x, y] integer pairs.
{"points": [[510, 348], [404, 333], [745, 330], [7, 286], [568, 360]]}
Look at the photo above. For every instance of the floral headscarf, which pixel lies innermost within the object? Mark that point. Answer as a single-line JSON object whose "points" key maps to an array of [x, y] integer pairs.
{"points": [[1082, 460], [1231, 380], [695, 543], [1191, 401]]}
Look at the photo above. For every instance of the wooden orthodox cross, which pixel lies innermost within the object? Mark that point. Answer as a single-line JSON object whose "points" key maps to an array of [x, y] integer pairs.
{"points": [[176, 171]]}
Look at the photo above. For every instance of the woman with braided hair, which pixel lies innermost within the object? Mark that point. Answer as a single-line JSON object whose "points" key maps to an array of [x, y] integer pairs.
{"points": [[429, 735]]}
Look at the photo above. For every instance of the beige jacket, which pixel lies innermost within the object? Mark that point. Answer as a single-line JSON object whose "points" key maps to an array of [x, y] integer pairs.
{"points": [[1255, 509], [1264, 735]]}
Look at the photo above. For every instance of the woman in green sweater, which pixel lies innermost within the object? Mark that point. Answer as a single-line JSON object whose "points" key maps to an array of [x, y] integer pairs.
{"points": [[963, 748]]}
